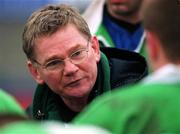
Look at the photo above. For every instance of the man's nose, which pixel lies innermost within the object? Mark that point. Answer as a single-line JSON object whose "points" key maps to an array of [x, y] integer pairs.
{"points": [[69, 67]]}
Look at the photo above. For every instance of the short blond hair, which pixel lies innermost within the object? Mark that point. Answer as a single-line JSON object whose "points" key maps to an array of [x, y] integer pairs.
{"points": [[48, 20]]}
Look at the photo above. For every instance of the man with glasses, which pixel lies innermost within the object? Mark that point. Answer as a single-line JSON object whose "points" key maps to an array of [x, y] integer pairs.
{"points": [[68, 66]]}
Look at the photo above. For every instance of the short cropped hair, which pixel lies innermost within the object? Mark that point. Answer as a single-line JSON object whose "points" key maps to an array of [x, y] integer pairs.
{"points": [[163, 18], [46, 21]]}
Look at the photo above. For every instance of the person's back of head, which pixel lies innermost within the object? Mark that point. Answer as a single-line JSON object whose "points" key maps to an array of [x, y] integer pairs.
{"points": [[161, 17]]}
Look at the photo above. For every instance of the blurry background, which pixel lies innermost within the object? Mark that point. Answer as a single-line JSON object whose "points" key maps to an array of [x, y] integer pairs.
{"points": [[14, 75]]}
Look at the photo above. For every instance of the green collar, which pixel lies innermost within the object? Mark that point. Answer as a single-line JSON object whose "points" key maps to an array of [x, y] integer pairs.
{"points": [[103, 78], [106, 73]]}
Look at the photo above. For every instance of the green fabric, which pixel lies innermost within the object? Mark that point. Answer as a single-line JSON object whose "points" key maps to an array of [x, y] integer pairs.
{"points": [[103, 32], [143, 51], [145, 109], [106, 73], [48, 104], [24, 127], [8, 105], [44, 100]]}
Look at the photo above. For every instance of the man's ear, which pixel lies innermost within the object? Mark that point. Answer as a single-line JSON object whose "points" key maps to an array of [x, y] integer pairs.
{"points": [[34, 72], [95, 46], [155, 53], [152, 48]]}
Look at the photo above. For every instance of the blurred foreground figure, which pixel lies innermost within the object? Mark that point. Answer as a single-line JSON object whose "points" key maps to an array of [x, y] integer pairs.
{"points": [[13, 120], [10, 110], [8, 105], [47, 127], [152, 106]]}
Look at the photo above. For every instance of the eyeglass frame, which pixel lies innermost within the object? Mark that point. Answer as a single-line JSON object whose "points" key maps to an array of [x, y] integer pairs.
{"points": [[68, 58]]}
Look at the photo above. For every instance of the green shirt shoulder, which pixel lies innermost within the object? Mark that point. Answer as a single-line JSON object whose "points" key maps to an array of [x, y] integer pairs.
{"points": [[137, 109]]}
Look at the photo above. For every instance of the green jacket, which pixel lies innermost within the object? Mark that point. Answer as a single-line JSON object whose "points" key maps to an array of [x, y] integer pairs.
{"points": [[105, 38], [150, 107], [8, 105], [119, 68]]}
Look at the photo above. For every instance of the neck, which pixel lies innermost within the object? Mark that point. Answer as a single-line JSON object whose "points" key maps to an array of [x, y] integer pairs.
{"points": [[76, 104]]}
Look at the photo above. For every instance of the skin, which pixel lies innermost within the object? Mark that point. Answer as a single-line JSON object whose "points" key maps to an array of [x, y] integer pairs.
{"points": [[74, 83], [127, 10], [156, 55]]}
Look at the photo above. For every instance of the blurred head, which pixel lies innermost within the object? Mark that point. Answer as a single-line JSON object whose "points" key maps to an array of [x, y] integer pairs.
{"points": [[123, 7], [61, 51], [6, 119], [162, 24], [8, 105]]}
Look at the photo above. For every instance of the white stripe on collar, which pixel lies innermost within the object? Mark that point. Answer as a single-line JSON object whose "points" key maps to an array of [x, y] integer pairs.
{"points": [[168, 74]]}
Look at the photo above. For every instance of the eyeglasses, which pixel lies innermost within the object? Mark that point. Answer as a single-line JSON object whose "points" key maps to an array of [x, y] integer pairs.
{"points": [[76, 57]]}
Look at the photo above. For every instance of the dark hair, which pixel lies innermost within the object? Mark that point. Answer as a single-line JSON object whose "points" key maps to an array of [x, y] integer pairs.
{"points": [[163, 18]]}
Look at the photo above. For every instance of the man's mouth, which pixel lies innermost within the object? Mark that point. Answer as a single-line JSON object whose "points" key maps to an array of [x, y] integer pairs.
{"points": [[73, 83]]}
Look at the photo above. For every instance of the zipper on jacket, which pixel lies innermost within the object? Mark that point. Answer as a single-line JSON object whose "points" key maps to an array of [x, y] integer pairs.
{"points": [[40, 115]]}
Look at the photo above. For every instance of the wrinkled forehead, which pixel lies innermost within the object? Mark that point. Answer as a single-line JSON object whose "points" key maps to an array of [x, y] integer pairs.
{"points": [[63, 40]]}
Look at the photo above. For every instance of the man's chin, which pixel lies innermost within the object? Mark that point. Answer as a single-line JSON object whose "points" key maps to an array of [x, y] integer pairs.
{"points": [[76, 95]]}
